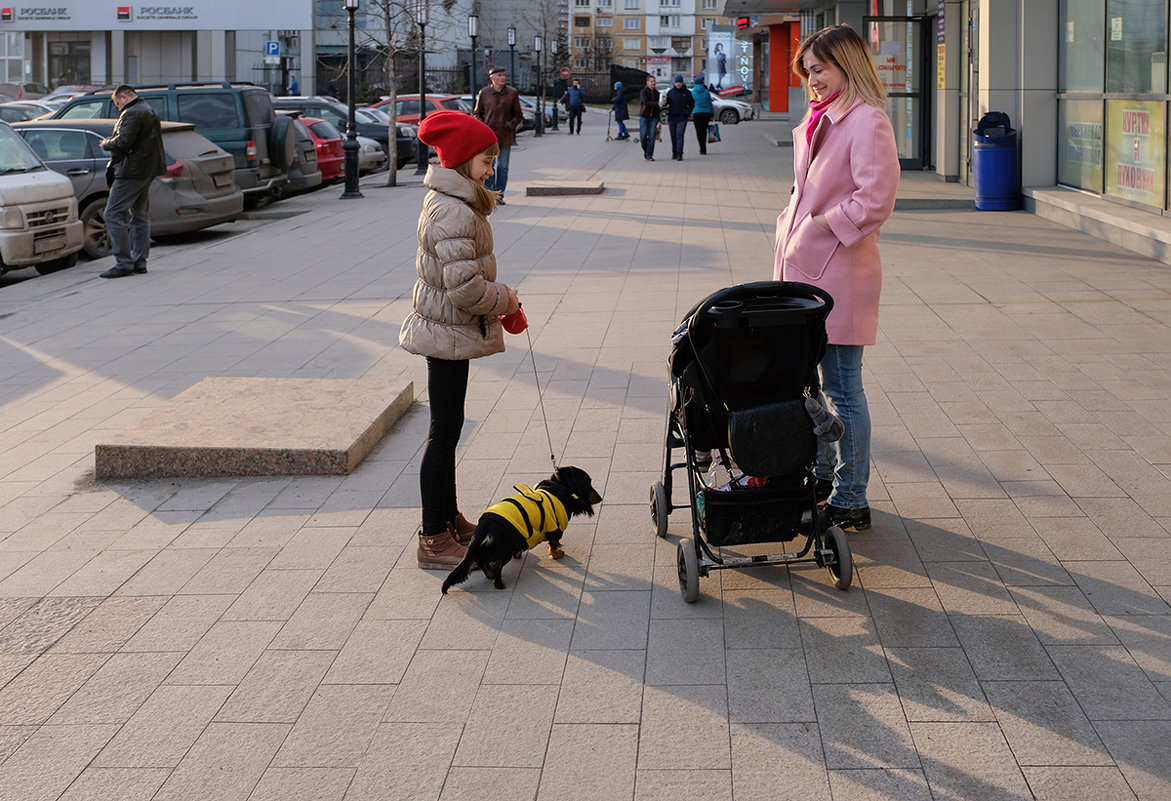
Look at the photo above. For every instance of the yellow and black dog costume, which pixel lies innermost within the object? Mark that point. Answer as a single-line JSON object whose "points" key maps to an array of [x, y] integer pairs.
{"points": [[525, 520]]}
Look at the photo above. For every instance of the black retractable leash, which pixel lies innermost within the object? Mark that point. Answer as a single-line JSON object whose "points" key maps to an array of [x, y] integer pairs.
{"points": [[540, 398]]}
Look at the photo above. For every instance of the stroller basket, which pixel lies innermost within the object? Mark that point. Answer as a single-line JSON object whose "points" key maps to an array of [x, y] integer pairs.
{"points": [[752, 514]]}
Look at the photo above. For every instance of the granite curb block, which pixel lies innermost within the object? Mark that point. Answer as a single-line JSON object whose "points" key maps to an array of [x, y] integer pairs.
{"points": [[257, 427], [555, 189]]}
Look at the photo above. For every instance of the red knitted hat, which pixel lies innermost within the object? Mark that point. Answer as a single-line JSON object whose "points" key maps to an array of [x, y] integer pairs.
{"points": [[456, 137]]}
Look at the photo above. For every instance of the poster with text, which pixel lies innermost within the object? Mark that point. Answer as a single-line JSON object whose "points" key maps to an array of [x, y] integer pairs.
{"points": [[1136, 165]]}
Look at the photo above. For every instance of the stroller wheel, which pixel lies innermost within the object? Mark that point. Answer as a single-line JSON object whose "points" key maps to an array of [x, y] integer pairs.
{"points": [[841, 570], [688, 570], [659, 510]]}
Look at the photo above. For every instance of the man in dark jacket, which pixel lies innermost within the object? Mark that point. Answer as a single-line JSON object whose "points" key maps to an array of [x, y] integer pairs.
{"points": [[648, 117], [498, 107], [679, 103], [136, 154], [574, 100]]}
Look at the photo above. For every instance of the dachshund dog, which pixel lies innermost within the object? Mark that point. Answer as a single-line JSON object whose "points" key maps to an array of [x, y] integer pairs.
{"points": [[517, 524]]}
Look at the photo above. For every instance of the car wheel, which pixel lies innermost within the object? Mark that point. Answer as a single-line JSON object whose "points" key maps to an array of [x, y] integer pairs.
{"points": [[729, 116], [95, 237], [62, 263]]}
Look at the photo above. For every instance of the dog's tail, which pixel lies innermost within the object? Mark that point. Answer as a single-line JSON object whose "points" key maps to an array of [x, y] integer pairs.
{"points": [[461, 572]]}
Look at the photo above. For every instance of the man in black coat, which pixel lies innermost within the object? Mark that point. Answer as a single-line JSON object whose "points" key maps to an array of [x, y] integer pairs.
{"points": [[136, 157], [679, 104]]}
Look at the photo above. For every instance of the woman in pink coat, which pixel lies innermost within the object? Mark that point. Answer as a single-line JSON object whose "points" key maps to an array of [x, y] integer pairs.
{"points": [[846, 171]]}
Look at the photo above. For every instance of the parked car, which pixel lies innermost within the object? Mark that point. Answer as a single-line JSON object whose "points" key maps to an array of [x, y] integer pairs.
{"points": [[70, 91], [299, 153], [195, 192], [21, 110], [39, 226], [29, 90], [727, 112], [407, 141], [407, 106], [236, 116], [370, 156], [337, 114], [328, 140]]}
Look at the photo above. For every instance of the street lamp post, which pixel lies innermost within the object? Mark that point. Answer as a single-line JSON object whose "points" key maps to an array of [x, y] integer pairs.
{"points": [[538, 42], [553, 52], [473, 31], [512, 52], [421, 21], [350, 147]]}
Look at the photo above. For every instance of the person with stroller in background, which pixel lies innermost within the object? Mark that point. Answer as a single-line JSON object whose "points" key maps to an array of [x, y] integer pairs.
{"points": [[621, 113], [702, 112], [574, 100], [846, 173], [648, 117], [679, 103]]}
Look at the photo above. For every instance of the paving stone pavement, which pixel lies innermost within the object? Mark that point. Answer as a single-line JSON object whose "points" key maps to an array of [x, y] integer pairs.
{"points": [[1008, 635]]}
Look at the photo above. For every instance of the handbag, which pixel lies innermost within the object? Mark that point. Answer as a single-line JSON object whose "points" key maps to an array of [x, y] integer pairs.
{"points": [[775, 439], [658, 132], [713, 133], [110, 173]]}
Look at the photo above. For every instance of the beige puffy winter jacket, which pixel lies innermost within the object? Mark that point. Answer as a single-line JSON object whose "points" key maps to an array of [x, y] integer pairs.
{"points": [[457, 297]]}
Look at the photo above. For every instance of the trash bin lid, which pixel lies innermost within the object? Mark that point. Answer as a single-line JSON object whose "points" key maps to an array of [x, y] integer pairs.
{"points": [[991, 121]]}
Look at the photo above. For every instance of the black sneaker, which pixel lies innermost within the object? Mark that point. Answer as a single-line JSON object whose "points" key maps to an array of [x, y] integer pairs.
{"points": [[845, 519]]}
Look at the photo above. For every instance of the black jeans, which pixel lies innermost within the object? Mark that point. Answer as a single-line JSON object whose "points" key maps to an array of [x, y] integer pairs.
{"points": [[575, 113], [447, 388], [701, 123]]}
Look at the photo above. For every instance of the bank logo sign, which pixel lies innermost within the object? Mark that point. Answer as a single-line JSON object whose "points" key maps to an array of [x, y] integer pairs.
{"points": [[124, 14], [36, 14]]}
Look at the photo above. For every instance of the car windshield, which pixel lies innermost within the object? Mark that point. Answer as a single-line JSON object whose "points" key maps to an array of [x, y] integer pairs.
{"points": [[15, 154], [374, 115]]}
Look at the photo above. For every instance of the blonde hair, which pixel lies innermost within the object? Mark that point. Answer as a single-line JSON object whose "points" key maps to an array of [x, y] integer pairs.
{"points": [[842, 46], [484, 199]]}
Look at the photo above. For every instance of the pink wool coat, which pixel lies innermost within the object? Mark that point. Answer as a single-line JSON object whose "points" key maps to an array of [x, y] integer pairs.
{"points": [[851, 177]]}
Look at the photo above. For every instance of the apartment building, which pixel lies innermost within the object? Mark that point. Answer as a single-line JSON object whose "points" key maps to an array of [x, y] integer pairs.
{"points": [[662, 37]]}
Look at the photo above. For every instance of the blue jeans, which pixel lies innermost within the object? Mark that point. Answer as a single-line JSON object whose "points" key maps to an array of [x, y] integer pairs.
{"points": [[621, 127], [499, 178], [846, 461], [128, 221], [646, 135], [678, 131]]}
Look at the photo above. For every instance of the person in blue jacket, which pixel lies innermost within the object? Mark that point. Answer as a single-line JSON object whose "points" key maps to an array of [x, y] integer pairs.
{"points": [[574, 100], [679, 103], [701, 115], [621, 112]]}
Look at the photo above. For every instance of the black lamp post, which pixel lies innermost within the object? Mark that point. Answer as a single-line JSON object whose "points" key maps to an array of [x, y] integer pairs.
{"points": [[553, 52], [473, 30], [421, 21], [350, 147], [538, 42], [512, 52]]}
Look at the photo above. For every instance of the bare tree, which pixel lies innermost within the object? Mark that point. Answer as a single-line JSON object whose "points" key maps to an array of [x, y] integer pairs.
{"points": [[545, 18]]}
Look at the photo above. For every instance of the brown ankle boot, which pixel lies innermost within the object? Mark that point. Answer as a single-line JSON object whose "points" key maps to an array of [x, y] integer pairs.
{"points": [[439, 552], [461, 530]]}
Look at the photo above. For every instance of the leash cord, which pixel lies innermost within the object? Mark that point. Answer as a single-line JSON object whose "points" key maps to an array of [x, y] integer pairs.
{"points": [[540, 399]]}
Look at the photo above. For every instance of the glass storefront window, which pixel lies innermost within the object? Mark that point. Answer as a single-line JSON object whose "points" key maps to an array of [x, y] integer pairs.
{"points": [[1136, 46], [1079, 159], [1136, 165], [1081, 52]]}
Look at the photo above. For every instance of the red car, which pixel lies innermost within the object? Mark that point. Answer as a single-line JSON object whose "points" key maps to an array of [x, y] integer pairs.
{"points": [[407, 106], [328, 140]]}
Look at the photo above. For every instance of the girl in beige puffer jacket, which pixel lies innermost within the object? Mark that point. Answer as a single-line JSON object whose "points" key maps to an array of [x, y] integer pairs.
{"points": [[457, 305]]}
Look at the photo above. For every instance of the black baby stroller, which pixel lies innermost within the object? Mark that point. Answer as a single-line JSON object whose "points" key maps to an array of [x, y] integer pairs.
{"points": [[744, 361]]}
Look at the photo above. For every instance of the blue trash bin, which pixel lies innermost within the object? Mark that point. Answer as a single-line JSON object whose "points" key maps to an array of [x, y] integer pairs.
{"points": [[994, 164]]}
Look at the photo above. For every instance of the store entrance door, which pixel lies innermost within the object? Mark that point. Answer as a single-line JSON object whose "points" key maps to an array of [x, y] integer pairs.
{"points": [[900, 55]]}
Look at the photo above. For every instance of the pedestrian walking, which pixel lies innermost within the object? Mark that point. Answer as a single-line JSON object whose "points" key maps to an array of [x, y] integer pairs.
{"points": [[457, 304], [498, 107], [621, 112], [702, 112], [679, 104], [574, 100], [294, 88], [846, 169], [648, 117], [136, 157]]}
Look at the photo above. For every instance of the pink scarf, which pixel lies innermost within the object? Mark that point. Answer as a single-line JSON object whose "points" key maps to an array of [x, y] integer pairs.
{"points": [[817, 109]]}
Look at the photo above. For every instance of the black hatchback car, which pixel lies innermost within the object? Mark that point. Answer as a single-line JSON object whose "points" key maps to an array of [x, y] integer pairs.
{"points": [[236, 116], [336, 112]]}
